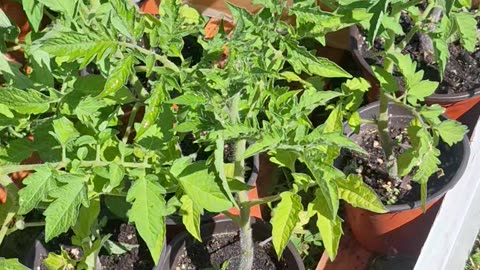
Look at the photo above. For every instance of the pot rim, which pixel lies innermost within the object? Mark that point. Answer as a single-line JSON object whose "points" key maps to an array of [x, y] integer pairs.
{"points": [[178, 241], [439, 193], [441, 99]]}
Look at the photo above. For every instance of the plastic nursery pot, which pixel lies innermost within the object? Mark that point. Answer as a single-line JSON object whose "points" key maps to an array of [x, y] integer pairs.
{"points": [[39, 252], [405, 227], [174, 222], [261, 231]]}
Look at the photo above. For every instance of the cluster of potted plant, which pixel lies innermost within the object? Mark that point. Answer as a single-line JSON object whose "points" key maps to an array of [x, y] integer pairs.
{"points": [[136, 120]]}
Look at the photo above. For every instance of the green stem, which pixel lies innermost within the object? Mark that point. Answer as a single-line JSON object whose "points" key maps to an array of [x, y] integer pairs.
{"points": [[34, 224], [408, 37], [246, 238], [384, 135], [58, 165]]}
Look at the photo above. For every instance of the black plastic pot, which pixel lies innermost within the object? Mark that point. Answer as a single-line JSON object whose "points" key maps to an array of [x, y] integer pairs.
{"points": [[261, 232], [174, 222], [405, 227], [34, 257]]}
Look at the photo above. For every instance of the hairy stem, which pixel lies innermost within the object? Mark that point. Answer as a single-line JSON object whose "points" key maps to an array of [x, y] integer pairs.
{"points": [[246, 238], [384, 134]]}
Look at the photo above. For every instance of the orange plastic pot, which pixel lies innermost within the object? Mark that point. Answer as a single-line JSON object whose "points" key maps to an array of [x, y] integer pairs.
{"points": [[395, 233], [456, 105], [150, 6], [405, 227]]}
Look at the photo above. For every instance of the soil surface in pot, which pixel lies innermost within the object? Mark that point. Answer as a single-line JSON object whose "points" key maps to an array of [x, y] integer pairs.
{"points": [[374, 173], [137, 259], [224, 249], [462, 72]]}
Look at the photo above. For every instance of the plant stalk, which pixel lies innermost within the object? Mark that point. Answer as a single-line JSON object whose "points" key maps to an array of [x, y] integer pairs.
{"points": [[246, 238], [384, 135]]}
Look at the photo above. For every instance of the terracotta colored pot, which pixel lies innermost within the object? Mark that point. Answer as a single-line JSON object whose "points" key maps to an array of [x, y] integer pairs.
{"points": [[404, 229], [150, 6], [14, 12]]}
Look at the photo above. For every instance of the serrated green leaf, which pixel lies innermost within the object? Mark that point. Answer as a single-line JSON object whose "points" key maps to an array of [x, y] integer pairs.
{"points": [[267, 141], [190, 217], [116, 174], [65, 131], [390, 24], [406, 161], [41, 70], [200, 185], [331, 232], [24, 101], [387, 81], [378, 10], [34, 12], [446, 5], [119, 76], [355, 121], [358, 194], [62, 213], [339, 140], [284, 220], [467, 26], [65, 7], [147, 213], [284, 158], [11, 264], [302, 180], [37, 187], [302, 60], [188, 99], [442, 54], [421, 90], [451, 131], [74, 46], [88, 109]]}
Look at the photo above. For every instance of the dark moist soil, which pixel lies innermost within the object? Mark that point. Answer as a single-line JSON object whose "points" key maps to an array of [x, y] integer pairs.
{"points": [[462, 73], [19, 243], [137, 259], [374, 172], [226, 247]]}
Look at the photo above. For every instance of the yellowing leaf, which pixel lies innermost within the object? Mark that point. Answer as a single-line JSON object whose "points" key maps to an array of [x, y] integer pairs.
{"points": [[284, 220], [358, 194], [190, 217], [331, 232]]}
